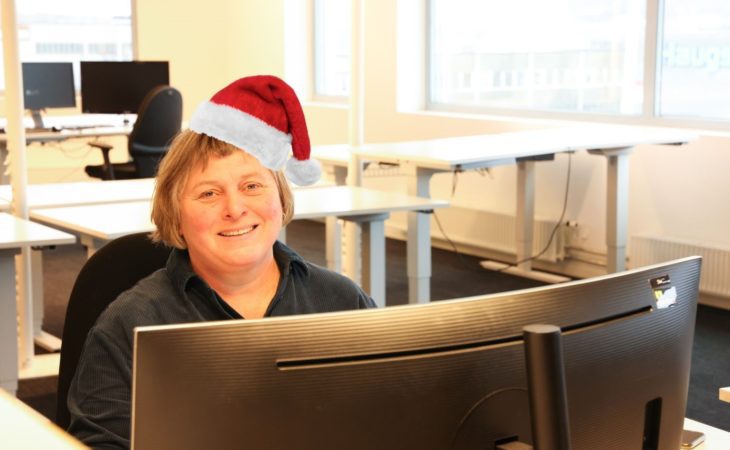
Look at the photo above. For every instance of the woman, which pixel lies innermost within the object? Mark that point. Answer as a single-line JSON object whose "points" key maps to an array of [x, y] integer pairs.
{"points": [[221, 202]]}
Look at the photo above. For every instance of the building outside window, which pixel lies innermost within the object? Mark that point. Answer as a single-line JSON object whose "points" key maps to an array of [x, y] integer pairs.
{"points": [[73, 30], [695, 60], [580, 57]]}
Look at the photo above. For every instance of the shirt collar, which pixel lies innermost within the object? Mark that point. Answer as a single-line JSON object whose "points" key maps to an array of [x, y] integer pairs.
{"points": [[181, 272]]}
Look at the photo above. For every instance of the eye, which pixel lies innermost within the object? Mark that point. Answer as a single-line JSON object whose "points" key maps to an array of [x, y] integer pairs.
{"points": [[252, 187], [206, 195]]}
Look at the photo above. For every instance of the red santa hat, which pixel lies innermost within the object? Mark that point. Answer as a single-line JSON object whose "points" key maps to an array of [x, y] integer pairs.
{"points": [[262, 116]]}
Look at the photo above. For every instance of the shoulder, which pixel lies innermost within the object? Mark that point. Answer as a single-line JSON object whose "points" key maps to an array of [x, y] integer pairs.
{"points": [[323, 277], [146, 303]]}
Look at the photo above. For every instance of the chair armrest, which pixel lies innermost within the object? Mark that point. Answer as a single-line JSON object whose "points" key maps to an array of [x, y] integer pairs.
{"points": [[107, 165], [101, 145], [725, 394]]}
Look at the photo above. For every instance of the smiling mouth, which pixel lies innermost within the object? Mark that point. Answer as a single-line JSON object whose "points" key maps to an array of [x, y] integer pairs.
{"points": [[238, 232]]}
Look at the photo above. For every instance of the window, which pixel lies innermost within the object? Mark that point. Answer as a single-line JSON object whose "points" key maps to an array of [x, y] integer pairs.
{"points": [[73, 30], [332, 48], [576, 57], [695, 59]]}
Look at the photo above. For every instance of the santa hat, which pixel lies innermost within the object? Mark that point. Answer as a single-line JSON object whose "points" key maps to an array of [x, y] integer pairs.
{"points": [[262, 116]]}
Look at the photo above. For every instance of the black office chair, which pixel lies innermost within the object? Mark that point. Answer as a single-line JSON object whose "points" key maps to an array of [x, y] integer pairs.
{"points": [[110, 271], [159, 119]]}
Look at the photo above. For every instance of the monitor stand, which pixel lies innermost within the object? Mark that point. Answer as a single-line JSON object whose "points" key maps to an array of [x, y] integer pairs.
{"points": [[37, 119]]}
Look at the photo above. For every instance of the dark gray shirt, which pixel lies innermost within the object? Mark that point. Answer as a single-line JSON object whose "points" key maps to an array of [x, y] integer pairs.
{"points": [[99, 398]]}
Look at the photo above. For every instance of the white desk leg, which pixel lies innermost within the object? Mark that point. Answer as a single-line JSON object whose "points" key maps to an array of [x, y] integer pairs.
{"points": [[373, 256], [333, 243], [525, 229], [617, 206], [333, 226], [339, 174], [419, 239], [4, 164], [617, 211], [352, 232], [25, 307], [93, 244], [9, 358], [44, 340]]}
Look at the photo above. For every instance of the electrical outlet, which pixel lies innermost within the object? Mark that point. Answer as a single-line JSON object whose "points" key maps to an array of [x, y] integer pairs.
{"points": [[572, 233]]}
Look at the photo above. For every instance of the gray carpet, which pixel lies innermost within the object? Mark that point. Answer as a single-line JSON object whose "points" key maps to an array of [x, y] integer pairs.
{"points": [[453, 276]]}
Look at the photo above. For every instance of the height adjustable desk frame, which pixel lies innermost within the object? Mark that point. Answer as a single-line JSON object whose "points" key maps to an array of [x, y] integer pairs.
{"points": [[422, 159]]}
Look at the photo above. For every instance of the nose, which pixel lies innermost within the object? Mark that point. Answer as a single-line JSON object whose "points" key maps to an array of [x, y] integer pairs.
{"points": [[235, 206]]}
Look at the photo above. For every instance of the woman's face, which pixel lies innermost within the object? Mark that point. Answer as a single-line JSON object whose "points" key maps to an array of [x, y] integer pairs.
{"points": [[230, 215]]}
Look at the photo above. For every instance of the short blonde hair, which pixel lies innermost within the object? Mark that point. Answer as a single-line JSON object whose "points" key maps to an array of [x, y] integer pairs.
{"points": [[187, 151]]}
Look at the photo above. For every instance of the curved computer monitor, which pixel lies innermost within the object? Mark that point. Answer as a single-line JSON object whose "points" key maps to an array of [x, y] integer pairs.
{"points": [[47, 85], [443, 375], [118, 87]]}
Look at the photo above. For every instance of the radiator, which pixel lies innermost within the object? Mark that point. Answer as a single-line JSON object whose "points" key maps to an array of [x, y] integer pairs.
{"points": [[496, 231], [647, 249], [500, 231]]}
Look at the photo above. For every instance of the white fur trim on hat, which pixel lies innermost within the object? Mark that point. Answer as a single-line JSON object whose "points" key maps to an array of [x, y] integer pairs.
{"points": [[249, 133], [303, 172]]}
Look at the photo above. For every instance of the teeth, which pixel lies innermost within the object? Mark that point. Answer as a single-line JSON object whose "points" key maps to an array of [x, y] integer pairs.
{"points": [[237, 232]]}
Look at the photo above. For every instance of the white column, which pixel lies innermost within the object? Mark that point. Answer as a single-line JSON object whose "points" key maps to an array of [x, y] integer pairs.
{"points": [[18, 176], [352, 231]]}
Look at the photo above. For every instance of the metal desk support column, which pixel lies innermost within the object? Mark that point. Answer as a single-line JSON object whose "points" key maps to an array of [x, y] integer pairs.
{"points": [[525, 213], [372, 252], [419, 225], [9, 316], [617, 206]]}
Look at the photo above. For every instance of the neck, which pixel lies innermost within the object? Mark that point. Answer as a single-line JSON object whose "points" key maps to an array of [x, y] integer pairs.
{"points": [[249, 292]]}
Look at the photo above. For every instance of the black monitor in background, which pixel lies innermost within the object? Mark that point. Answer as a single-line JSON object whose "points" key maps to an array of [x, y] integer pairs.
{"points": [[47, 85], [118, 87], [443, 375]]}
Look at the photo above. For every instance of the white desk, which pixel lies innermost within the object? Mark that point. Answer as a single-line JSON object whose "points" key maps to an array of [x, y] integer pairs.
{"points": [[715, 438], [422, 159], [97, 224], [23, 428], [53, 195], [15, 234], [72, 127]]}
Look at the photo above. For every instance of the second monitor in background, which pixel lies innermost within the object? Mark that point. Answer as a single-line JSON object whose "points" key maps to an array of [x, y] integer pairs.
{"points": [[47, 85], [118, 87]]}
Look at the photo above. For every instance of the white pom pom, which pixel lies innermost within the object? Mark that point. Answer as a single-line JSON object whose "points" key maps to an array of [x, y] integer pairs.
{"points": [[303, 172]]}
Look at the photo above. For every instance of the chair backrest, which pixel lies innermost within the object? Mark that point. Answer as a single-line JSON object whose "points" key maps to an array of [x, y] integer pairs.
{"points": [[112, 270], [159, 119]]}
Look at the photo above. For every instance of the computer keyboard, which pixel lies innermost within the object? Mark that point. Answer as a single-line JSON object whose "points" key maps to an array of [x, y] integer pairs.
{"points": [[87, 127], [42, 130]]}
